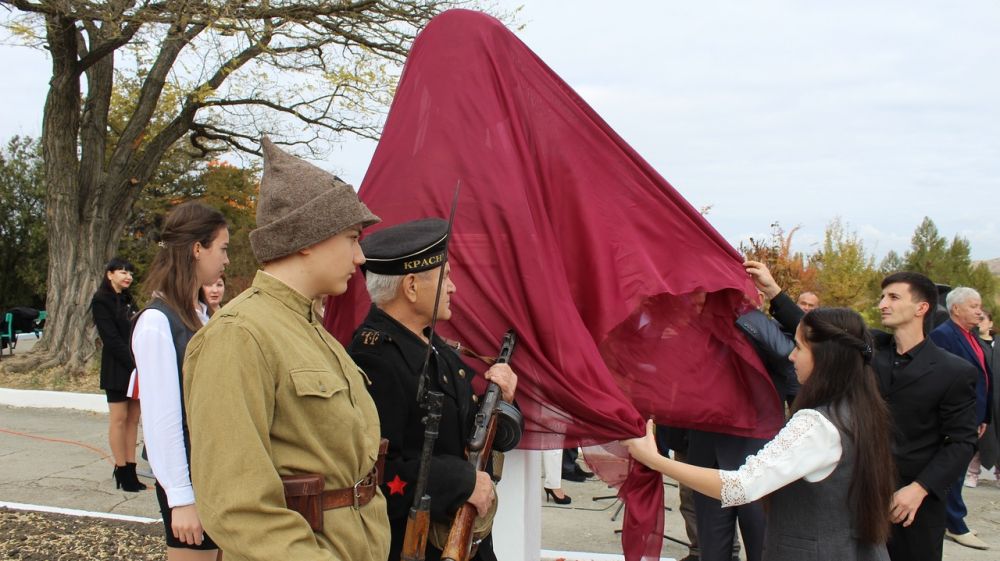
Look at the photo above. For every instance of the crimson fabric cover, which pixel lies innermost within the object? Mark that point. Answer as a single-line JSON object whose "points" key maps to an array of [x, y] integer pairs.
{"points": [[622, 295]]}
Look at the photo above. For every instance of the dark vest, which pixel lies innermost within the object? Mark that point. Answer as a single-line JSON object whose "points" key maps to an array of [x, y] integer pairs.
{"points": [[181, 336], [814, 521]]}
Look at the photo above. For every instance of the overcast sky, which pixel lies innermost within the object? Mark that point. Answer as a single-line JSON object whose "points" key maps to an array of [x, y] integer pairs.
{"points": [[795, 111]]}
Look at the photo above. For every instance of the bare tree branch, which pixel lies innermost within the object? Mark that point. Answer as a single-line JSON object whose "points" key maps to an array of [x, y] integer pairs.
{"points": [[106, 48], [150, 93], [235, 140]]}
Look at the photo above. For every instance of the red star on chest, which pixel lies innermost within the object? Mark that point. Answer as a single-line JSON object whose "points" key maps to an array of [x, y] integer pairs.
{"points": [[396, 486]]}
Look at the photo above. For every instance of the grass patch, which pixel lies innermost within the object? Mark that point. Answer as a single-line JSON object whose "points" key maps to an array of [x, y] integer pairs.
{"points": [[55, 379]]}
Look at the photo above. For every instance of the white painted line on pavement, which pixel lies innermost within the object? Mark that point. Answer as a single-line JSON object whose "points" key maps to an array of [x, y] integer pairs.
{"points": [[95, 402], [75, 512]]}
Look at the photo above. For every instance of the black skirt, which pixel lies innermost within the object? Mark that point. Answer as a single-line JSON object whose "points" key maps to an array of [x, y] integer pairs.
{"points": [[161, 497]]}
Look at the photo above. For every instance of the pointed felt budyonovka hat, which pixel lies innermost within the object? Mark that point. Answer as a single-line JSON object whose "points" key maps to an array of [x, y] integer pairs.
{"points": [[301, 205]]}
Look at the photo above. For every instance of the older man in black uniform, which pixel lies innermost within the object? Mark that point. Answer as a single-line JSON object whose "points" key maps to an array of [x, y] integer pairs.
{"points": [[402, 271]]}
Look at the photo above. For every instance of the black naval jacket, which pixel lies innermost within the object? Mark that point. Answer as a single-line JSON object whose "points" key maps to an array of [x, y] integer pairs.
{"points": [[392, 356]]}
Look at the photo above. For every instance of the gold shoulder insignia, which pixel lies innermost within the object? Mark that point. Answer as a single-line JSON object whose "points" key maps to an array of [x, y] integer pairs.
{"points": [[370, 338]]}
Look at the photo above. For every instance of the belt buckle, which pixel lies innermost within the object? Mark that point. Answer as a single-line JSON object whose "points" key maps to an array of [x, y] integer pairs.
{"points": [[357, 494], [369, 479]]}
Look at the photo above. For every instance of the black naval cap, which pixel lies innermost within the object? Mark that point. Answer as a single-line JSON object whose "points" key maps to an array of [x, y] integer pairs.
{"points": [[410, 247]]}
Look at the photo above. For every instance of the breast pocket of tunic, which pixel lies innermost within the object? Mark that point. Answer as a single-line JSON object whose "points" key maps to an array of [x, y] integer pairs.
{"points": [[314, 382], [322, 400]]}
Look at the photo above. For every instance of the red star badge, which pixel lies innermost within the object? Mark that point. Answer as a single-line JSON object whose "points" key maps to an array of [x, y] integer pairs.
{"points": [[396, 486]]}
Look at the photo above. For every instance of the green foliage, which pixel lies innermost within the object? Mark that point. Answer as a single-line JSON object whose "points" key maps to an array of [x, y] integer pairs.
{"points": [[846, 273], [891, 263], [988, 285], [928, 250], [184, 174], [23, 245], [183, 177], [176, 180], [842, 273], [951, 264], [234, 191]]}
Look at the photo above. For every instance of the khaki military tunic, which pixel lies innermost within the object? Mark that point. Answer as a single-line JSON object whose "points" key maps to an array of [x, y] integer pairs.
{"points": [[268, 392]]}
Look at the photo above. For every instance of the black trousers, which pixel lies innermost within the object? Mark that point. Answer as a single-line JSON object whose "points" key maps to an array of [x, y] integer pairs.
{"points": [[717, 525], [569, 460], [924, 539]]}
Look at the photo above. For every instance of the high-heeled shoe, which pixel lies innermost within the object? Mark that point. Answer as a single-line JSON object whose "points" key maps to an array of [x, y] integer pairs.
{"points": [[551, 495], [124, 481], [134, 476]]}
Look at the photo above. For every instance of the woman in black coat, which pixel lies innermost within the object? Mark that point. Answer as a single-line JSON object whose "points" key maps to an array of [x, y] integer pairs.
{"points": [[113, 308]]}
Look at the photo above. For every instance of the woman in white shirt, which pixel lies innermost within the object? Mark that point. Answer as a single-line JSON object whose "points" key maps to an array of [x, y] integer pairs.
{"points": [[192, 253], [828, 474]]}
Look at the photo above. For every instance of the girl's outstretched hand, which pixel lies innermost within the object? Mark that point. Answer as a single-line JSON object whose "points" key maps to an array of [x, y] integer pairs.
{"points": [[643, 449]]}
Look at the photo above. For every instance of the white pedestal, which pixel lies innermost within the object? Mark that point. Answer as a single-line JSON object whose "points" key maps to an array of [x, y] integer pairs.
{"points": [[517, 529]]}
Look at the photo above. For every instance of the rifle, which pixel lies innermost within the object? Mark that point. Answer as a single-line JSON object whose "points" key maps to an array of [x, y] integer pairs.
{"points": [[459, 543], [419, 519]]}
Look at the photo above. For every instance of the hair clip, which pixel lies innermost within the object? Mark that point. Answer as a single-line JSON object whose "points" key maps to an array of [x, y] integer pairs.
{"points": [[866, 353]]}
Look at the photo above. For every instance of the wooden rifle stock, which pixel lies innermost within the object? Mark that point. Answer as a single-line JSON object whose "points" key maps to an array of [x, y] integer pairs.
{"points": [[418, 524], [479, 451], [459, 543]]}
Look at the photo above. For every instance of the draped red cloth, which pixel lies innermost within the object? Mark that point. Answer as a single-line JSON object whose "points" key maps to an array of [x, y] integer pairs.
{"points": [[622, 295]]}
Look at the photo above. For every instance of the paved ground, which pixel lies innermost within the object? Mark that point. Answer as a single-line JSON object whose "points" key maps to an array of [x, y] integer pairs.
{"points": [[57, 457]]}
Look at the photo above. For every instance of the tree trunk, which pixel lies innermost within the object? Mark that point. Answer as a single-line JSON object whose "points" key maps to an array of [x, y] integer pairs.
{"points": [[79, 247], [84, 222], [69, 340]]}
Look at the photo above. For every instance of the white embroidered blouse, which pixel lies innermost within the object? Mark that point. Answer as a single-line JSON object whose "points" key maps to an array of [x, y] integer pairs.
{"points": [[808, 447]]}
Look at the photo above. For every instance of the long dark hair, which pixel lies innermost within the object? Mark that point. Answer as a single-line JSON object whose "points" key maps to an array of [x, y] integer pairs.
{"points": [[843, 379], [116, 264], [173, 275]]}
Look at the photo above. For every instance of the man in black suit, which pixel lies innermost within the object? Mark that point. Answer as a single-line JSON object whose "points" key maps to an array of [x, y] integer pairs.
{"points": [[931, 394]]}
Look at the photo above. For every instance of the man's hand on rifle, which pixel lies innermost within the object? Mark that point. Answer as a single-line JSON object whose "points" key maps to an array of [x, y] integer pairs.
{"points": [[483, 494], [505, 378]]}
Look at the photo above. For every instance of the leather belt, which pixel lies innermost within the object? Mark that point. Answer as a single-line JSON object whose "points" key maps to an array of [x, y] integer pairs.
{"points": [[356, 496]]}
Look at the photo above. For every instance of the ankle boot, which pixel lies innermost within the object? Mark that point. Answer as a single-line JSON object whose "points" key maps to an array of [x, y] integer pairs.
{"points": [[124, 482], [130, 466]]}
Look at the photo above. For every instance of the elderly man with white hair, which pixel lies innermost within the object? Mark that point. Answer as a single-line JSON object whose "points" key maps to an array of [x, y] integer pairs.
{"points": [[403, 268], [965, 310]]}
